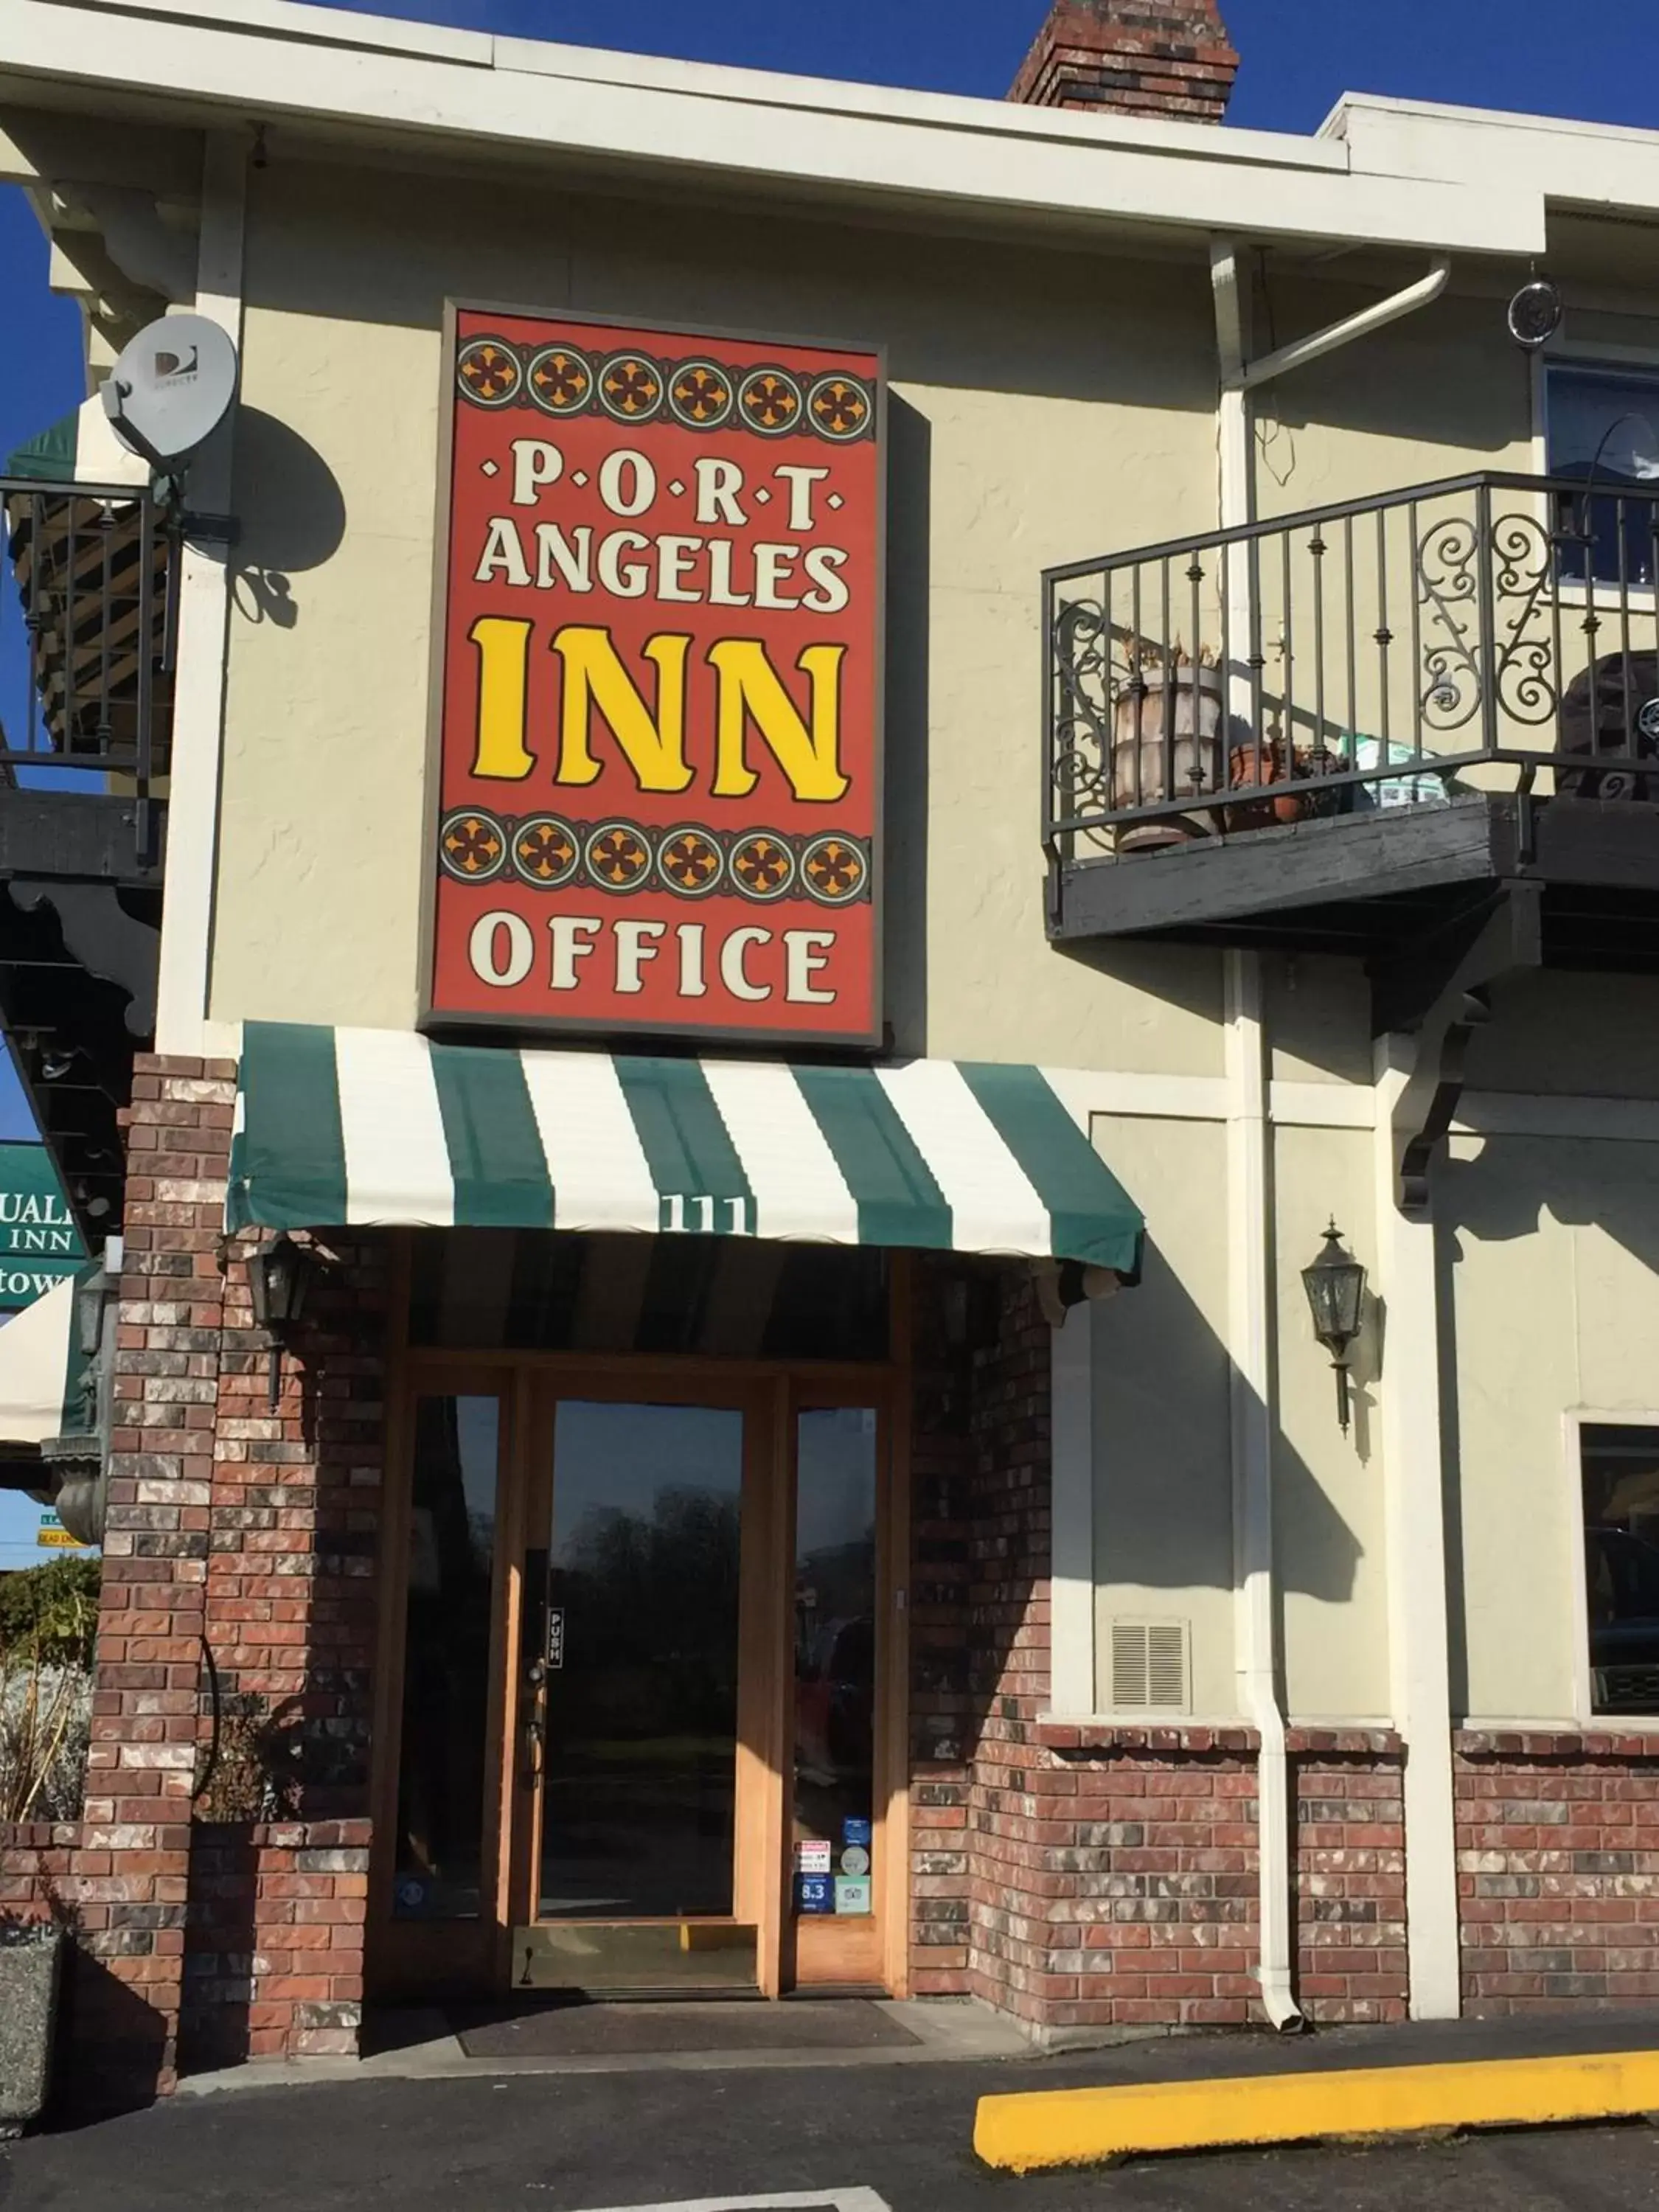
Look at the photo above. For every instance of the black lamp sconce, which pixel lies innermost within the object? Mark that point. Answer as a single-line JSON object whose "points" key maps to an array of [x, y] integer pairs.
{"points": [[280, 1275], [1335, 1284]]}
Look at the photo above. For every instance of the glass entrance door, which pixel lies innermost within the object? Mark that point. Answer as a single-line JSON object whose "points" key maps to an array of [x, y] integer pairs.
{"points": [[630, 1700]]}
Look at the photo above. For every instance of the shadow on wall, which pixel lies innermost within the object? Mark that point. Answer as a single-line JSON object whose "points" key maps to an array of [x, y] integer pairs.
{"points": [[905, 737], [1501, 1197], [1448, 375], [1010, 317], [293, 514], [1164, 1382]]}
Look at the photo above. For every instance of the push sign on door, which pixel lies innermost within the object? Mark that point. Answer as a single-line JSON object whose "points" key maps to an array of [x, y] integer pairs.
{"points": [[555, 1636]]}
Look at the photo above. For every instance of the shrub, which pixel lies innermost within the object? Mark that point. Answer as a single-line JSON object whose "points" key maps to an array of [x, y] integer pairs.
{"points": [[51, 1613], [48, 1621]]}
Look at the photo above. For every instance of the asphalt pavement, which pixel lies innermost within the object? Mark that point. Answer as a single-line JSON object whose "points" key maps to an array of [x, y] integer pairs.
{"points": [[589, 2143]]}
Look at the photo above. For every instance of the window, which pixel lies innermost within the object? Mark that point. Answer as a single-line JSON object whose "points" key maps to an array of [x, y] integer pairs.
{"points": [[1620, 1468], [1601, 428]]}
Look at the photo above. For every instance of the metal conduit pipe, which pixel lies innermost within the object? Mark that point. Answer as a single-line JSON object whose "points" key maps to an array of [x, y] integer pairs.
{"points": [[1248, 1164], [1320, 343]]}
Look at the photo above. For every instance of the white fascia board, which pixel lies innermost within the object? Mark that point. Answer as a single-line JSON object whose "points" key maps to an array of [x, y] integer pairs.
{"points": [[999, 118], [1000, 163], [1565, 162]]}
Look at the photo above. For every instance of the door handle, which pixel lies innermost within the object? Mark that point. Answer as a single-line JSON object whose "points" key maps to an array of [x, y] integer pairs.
{"points": [[533, 1738]]}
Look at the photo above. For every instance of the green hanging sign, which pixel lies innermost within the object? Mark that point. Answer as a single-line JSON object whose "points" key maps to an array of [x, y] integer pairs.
{"points": [[39, 1244]]}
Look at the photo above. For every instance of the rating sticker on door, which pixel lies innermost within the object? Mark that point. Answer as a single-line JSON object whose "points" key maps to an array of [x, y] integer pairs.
{"points": [[805, 2200]]}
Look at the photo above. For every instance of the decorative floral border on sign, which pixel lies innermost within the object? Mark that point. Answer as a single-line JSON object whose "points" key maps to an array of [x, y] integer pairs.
{"points": [[694, 390], [549, 852]]}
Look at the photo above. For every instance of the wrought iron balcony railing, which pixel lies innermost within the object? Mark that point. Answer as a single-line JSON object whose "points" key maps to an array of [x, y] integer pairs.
{"points": [[86, 646], [1488, 633]]}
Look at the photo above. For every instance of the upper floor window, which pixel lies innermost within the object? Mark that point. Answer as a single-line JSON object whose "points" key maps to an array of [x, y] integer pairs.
{"points": [[1620, 1470], [1601, 428]]}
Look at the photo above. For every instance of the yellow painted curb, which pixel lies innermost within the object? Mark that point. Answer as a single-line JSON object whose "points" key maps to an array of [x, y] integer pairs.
{"points": [[1080, 2127]]}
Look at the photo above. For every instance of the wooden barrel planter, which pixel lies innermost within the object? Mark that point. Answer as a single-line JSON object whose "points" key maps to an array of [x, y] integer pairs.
{"points": [[1150, 763]]}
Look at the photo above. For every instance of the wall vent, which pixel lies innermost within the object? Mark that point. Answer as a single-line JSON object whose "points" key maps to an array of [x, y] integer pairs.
{"points": [[1151, 1670]]}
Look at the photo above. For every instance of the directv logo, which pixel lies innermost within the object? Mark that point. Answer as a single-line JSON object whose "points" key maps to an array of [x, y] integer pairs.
{"points": [[169, 369]]}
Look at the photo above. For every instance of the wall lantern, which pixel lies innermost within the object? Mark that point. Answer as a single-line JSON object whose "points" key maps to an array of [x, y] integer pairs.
{"points": [[1335, 1284], [279, 1278], [89, 1301]]}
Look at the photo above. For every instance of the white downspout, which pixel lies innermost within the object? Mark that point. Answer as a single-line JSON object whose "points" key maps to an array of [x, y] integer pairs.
{"points": [[1249, 1287], [1250, 1294], [1250, 1263]]}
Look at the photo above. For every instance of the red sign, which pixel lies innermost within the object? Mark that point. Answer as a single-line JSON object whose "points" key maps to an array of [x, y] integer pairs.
{"points": [[659, 760]]}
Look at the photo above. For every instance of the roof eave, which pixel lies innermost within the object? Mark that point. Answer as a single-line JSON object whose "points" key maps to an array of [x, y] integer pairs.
{"points": [[929, 150]]}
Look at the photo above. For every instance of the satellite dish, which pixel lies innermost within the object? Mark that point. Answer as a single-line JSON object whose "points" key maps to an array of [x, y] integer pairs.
{"points": [[171, 388]]}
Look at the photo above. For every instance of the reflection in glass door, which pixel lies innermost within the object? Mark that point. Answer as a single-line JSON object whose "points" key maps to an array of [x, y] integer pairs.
{"points": [[642, 1713], [633, 1682], [834, 1811], [439, 1867]]}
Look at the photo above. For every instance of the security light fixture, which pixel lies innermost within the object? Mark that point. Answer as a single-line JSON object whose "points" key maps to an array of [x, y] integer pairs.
{"points": [[1534, 314], [279, 1278], [1335, 1284]]}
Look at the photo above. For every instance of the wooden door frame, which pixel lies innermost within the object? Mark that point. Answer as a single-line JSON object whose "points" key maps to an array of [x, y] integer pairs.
{"points": [[406, 1955]]}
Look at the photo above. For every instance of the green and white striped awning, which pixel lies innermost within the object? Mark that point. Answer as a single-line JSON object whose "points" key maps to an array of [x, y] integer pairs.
{"points": [[41, 1367], [79, 447], [340, 1125]]}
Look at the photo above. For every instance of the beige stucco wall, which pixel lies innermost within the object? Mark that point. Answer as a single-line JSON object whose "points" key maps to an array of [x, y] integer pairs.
{"points": [[1163, 1541], [1551, 1249], [1567, 1034], [1318, 1013], [1438, 394], [1046, 404], [1163, 1504], [1327, 1488]]}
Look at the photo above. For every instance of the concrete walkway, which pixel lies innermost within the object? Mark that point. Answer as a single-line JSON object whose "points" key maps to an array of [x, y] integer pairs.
{"points": [[424, 2046]]}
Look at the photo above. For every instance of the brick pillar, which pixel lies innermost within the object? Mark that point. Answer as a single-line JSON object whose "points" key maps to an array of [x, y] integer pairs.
{"points": [[221, 1877], [280, 1898], [979, 1630], [1164, 58], [141, 1765]]}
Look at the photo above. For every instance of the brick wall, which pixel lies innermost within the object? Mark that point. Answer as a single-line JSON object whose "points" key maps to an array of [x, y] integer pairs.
{"points": [[1099, 1876], [38, 1860], [291, 1603], [1349, 1873], [1148, 1862], [1558, 1870], [226, 1809], [142, 1759], [274, 1952]]}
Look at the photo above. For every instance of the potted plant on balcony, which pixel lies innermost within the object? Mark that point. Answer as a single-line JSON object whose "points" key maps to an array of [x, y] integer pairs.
{"points": [[1166, 743], [1276, 761]]}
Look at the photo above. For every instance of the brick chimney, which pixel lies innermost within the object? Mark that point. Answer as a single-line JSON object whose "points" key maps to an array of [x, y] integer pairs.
{"points": [[1170, 57]]}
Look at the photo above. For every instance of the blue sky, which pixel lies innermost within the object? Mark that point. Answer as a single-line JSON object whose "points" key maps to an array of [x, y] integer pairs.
{"points": [[1299, 55]]}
